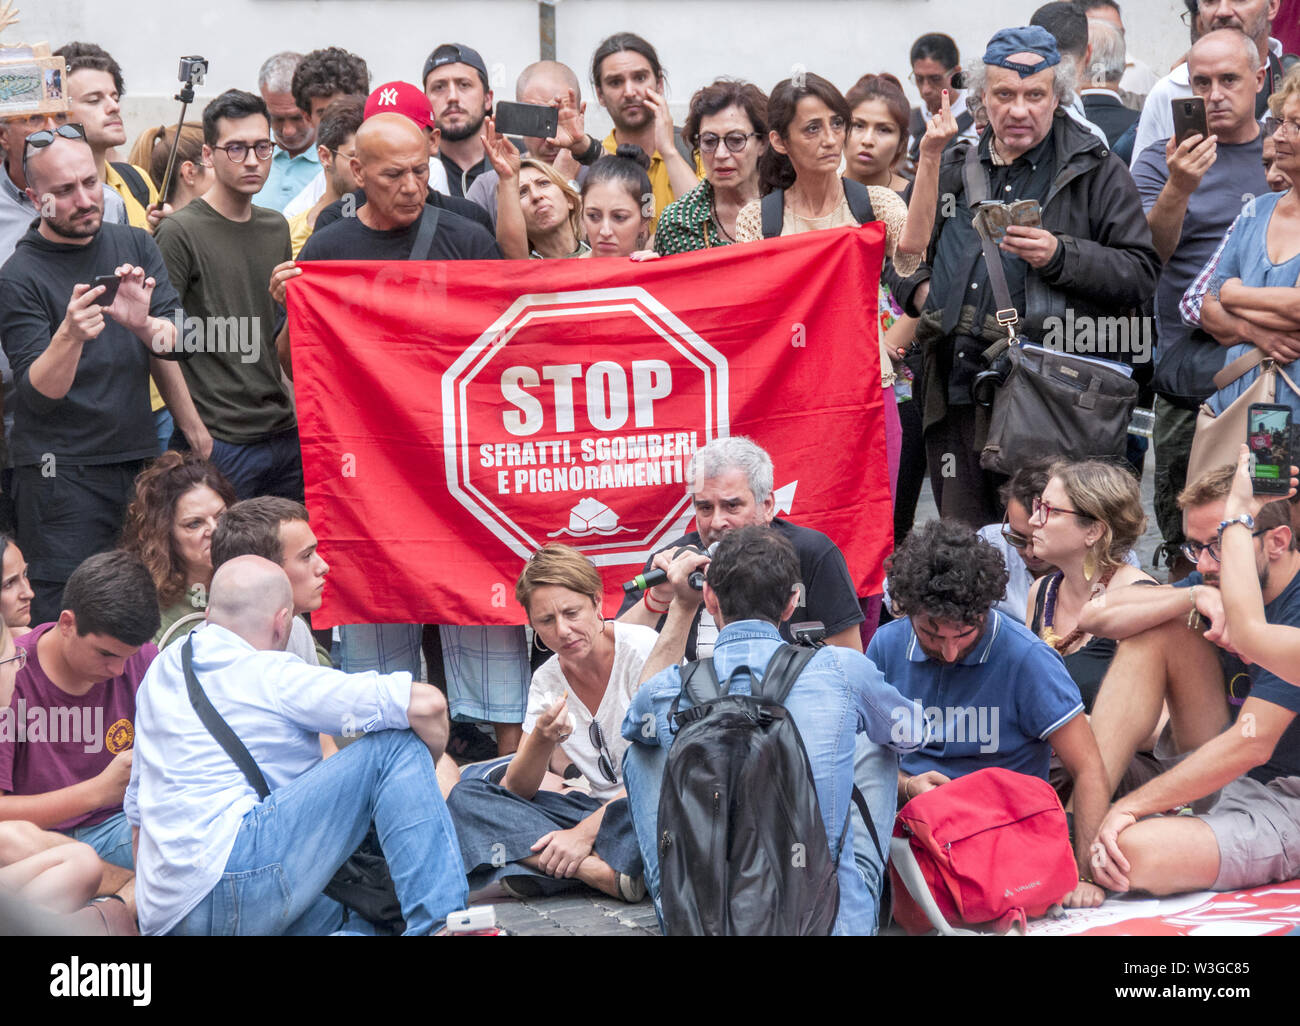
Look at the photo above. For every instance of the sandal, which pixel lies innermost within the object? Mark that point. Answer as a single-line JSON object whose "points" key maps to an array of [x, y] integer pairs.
{"points": [[521, 887], [630, 888]]}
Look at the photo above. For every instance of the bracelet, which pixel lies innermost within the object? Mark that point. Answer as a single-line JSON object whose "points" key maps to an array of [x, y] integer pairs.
{"points": [[657, 612], [907, 788]]}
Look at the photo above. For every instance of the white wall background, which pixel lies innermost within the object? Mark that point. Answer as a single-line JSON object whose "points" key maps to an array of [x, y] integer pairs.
{"points": [[697, 40]]}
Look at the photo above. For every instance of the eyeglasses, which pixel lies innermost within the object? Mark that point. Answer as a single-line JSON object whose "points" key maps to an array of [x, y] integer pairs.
{"points": [[931, 80], [19, 657], [597, 739], [1047, 510], [42, 139], [237, 151], [1284, 127], [734, 141], [1192, 549], [1013, 537]]}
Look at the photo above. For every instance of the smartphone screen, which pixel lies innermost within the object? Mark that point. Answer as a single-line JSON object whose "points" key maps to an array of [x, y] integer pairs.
{"points": [[534, 120], [111, 283], [1268, 433], [1189, 118]]}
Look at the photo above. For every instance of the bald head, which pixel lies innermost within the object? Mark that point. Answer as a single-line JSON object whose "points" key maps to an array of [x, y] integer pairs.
{"points": [[60, 161], [63, 184], [546, 79], [251, 597], [1225, 44], [392, 166], [383, 135]]}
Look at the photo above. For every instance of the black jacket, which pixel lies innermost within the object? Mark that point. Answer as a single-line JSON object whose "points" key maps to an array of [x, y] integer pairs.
{"points": [[1107, 265]]}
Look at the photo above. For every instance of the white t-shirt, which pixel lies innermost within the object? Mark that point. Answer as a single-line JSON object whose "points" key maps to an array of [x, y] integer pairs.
{"points": [[632, 645]]}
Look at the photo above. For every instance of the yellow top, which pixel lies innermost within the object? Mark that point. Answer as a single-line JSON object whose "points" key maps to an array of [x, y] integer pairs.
{"points": [[659, 182], [299, 232], [135, 216]]}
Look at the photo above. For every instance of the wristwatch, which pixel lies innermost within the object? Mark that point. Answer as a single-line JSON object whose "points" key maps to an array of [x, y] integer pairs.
{"points": [[594, 151], [1245, 519]]}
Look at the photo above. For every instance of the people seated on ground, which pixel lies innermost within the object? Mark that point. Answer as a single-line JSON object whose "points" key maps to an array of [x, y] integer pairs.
{"points": [[212, 857], [15, 593], [51, 870], [169, 525], [731, 486], [1084, 524], [1177, 648], [1250, 771], [277, 529], [531, 839], [66, 736], [994, 695], [1012, 538], [752, 586]]}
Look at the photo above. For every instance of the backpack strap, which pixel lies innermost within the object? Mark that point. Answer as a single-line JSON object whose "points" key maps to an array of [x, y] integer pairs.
{"points": [[865, 813], [184, 624], [424, 237], [219, 728], [772, 208], [786, 664], [699, 684], [859, 197], [134, 181]]}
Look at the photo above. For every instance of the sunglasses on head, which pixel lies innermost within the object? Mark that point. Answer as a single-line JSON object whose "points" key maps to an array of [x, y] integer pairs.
{"points": [[39, 140]]}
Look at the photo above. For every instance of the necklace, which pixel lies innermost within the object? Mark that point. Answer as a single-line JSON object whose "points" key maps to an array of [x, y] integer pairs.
{"points": [[717, 221], [835, 205]]}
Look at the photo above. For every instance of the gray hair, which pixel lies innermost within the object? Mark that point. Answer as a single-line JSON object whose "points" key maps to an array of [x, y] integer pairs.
{"points": [[734, 453], [1063, 80], [276, 75], [1248, 46], [1108, 53]]}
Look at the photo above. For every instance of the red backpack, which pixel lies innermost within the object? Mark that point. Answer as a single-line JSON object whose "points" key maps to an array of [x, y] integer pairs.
{"points": [[991, 847]]}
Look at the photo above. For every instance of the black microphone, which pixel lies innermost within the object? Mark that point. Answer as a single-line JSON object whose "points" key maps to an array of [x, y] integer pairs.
{"points": [[656, 576]]}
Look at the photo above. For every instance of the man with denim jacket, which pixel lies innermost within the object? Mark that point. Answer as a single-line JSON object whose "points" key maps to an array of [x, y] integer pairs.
{"points": [[845, 711], [1092, 255]]}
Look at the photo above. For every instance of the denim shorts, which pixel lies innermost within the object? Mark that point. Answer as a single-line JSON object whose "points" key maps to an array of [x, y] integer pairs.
{"points": [[111, 840]]}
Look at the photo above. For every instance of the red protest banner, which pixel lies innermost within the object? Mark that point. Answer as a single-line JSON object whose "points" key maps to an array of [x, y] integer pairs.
{"points": [[456, 416]]}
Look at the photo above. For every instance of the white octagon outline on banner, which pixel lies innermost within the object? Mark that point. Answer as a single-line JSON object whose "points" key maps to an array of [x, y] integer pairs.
{"points": [[525, 309]]}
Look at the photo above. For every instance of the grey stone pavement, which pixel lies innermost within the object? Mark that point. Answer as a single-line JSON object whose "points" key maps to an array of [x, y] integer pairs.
{"points": [[585, 913]]}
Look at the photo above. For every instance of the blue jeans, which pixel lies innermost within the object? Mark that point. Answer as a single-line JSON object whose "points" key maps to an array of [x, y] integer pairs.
{"points": [[272, 466], [111, 840], [643, 777], [164, 426], [289, 846], [875, 773]]}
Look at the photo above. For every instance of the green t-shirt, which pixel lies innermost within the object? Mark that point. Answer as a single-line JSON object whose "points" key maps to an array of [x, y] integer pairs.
{"points": [[221, 269]]}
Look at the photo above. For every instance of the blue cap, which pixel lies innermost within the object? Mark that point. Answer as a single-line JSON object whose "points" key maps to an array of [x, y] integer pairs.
{"points": [[1030, 39]]}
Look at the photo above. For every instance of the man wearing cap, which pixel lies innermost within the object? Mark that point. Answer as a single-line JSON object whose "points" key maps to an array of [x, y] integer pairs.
{"points": [[456, 82], [1092, 255], [409, 101]]}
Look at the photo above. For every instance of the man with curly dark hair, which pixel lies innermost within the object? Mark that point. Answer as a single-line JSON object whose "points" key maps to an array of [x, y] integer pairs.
{"points": [[993, 693], [322, 77]]}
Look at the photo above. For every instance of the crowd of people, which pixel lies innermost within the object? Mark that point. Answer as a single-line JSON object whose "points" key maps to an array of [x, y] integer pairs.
{"points": [[160, 569]]}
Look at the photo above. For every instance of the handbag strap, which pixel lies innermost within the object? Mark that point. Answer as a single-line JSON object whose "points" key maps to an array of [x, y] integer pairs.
{"points": [[977, 191], [219, 728], [1238, 367]]}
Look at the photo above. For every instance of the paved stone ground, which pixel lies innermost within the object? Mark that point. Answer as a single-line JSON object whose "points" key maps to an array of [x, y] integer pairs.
{"points": [[584, 913]]}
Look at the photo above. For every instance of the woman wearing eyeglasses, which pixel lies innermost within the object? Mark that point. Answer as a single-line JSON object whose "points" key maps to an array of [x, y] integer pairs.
{"points": [[1085, 524], [726, 123], [525, 831]]}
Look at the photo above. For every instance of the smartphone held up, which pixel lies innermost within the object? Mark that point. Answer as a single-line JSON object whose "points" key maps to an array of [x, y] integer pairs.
{"points": [[1268, 435]]}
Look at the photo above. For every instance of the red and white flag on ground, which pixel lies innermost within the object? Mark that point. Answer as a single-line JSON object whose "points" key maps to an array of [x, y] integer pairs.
{"points": [[456, 416]]}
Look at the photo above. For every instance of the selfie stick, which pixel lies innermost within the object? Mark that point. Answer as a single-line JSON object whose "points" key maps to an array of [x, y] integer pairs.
{"points": [[186, 97]]}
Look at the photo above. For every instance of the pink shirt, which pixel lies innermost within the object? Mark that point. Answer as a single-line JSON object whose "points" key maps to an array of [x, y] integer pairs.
{"points": [[50, 739]]}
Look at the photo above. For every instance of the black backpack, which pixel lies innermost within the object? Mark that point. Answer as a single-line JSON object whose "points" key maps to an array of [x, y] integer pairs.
{"points": [[772, 208], [742, 845]]}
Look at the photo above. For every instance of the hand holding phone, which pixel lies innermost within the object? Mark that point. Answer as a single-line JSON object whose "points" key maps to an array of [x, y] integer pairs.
{"points": [[1268, 434], [111, 283], [1189, 118]]}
